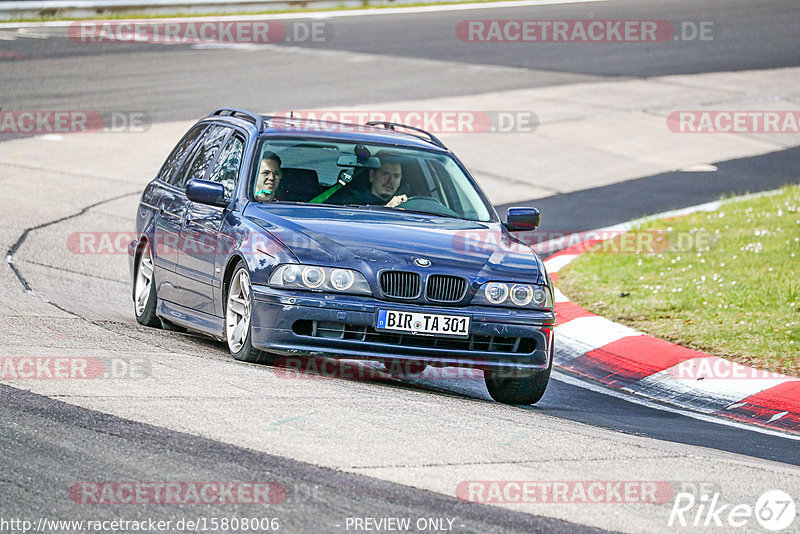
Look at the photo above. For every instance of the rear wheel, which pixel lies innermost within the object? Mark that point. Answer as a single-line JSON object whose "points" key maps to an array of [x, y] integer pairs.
{"points": [[238, 313], [144, 290], [518, 386]]}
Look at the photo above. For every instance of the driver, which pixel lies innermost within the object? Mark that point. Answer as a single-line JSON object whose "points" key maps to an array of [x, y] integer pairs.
{"points": [[384, 183], [269, 176]]}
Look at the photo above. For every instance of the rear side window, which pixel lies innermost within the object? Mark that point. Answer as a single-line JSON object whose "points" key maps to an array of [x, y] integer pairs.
{"points": [[178, 153], [203, 155], [226, 169]]}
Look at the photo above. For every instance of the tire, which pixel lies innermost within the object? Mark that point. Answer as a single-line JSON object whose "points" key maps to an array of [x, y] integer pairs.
{"points": [[518, 386], [172, 327], [238, 313], [144, 290]]}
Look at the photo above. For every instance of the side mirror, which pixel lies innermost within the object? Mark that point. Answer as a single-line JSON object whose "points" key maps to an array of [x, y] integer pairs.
{"points": [[523, 219], [206, 192]]}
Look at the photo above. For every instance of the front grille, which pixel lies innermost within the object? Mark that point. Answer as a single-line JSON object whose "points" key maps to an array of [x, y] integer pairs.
{"points": [[445, 288], [400, 284], [367, 334]]}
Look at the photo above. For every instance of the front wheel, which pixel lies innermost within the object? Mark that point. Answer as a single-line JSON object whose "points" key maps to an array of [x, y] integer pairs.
{"points": [[516, 386], [144, 290], [238, 312]]}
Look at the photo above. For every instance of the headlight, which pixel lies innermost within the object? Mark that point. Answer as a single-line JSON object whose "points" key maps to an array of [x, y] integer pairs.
{"points": [[521, 295], [294, 276], [342, 279], [496, 293], [541, 296], [513, 295], [313, 277], [291, 274]]}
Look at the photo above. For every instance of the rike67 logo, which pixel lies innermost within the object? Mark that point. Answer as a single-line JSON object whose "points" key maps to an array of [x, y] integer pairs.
{"points": [[774, 510]]}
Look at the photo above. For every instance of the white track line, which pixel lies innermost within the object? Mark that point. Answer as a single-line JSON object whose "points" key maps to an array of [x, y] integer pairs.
{"points": [[561, 376]]}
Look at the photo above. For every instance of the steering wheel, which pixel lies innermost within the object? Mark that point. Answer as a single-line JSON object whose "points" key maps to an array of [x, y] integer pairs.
{"points": [[427, 204]]}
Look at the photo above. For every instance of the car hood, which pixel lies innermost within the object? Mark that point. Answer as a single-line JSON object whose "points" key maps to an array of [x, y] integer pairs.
{"points": [[371, 240]]}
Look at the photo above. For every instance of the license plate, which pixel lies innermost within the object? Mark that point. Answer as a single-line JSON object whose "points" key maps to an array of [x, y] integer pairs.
{"points": [[423, 323]]}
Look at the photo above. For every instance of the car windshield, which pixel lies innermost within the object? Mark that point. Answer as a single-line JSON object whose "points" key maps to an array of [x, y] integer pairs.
{"points": [[374, 176]]}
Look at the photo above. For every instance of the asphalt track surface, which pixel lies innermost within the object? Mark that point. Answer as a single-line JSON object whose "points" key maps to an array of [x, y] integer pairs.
{"points": [[600, 206], [172, 83], [42, 446], [38, 434]]}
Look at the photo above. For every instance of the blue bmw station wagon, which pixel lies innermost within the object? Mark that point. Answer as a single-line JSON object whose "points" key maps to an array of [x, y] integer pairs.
{"points": [[286, 236]]}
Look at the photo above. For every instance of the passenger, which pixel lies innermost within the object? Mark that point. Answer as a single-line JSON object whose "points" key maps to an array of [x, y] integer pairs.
{"points": [[384, 183], [269, 177]]}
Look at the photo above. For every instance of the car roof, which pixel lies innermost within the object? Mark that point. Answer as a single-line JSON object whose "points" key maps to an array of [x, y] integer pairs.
{"points": [[347, 132], [385, 133]]}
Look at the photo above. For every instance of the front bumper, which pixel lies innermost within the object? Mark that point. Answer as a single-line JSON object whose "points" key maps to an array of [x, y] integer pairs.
{"points": [[343, 326]]}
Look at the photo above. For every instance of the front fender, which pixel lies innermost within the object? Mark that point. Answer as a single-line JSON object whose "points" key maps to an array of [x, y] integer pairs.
{"points": [[254, 246]]}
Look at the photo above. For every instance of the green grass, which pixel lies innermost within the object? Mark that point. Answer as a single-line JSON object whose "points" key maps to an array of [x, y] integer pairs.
{"points": [[728, 283]]}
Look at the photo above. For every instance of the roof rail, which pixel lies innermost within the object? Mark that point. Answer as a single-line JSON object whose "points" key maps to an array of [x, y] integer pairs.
{"points": [[247, 115], [391, 126]]}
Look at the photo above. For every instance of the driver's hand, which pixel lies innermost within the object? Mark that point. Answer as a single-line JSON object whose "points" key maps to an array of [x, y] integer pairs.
{"points": [[396, 201]]}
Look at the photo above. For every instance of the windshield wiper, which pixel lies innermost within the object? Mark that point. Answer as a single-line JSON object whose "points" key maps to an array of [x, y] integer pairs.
{"points": [[377, 207], [445, 215]]}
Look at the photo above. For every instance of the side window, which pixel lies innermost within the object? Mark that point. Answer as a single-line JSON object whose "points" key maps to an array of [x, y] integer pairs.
{"points": [[203, 155], [167, 172], [226, 169]]}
